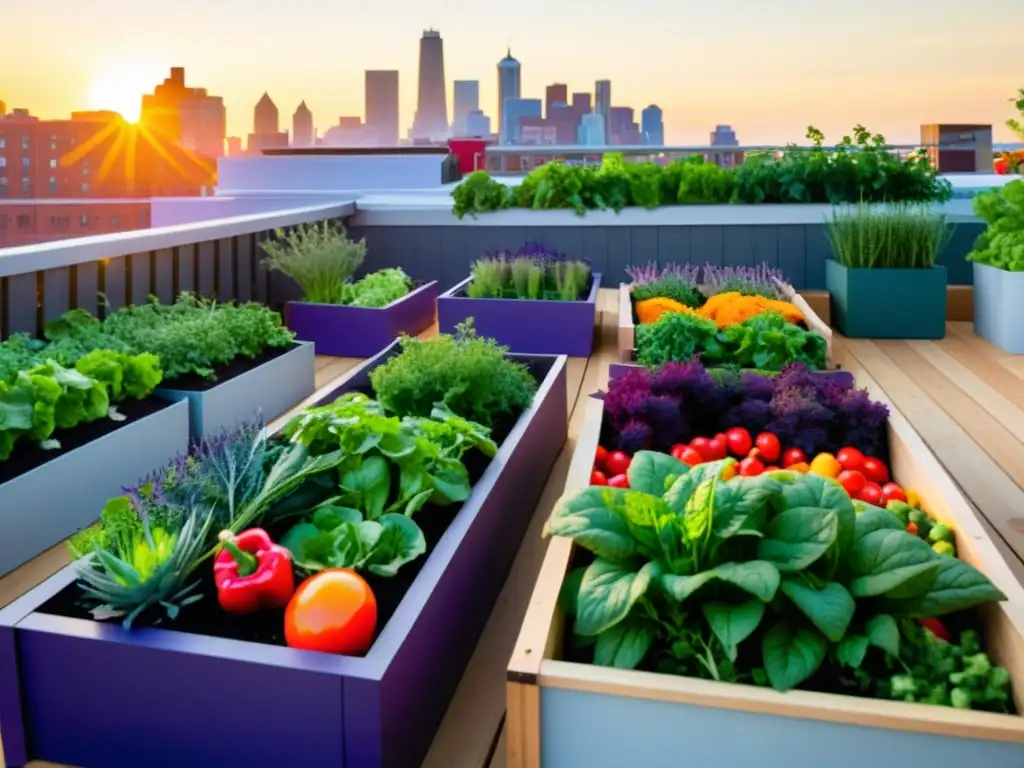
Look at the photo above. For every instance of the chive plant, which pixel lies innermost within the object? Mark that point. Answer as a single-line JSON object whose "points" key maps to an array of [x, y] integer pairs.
{"points": [[899, 236]]}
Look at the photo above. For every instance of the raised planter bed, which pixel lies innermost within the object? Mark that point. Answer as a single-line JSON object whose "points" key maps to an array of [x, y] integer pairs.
{"points": [[999, 307], [46, 496], [216, 701], [345, 331], [269, 385], [627, 328], [887, 303], [525, 326], [563, 714]]}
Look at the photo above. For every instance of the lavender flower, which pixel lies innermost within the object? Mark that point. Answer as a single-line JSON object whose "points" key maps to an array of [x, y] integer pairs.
{"points": [[642, 274], [759, 280]]}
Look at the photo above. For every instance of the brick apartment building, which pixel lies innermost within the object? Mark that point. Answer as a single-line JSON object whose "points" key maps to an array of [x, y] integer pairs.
{"points": [[30, 222]]}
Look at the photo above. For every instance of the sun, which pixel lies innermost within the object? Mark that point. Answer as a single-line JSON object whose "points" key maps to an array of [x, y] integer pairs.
{"points": [[118, 92]]}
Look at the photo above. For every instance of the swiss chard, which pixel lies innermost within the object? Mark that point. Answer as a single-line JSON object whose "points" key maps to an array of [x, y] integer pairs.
{"points": [[685, 553]]}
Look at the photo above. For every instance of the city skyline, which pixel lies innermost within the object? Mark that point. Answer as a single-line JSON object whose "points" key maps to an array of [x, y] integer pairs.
{"points": [[782, 69]]}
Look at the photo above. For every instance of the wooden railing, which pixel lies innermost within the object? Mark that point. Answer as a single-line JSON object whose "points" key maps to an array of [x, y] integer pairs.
{"points": [[222, 258]]}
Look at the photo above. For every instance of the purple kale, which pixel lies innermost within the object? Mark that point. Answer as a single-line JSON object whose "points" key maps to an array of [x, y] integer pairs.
{"points": [[634, 436], [668, 424], [626, 397]]}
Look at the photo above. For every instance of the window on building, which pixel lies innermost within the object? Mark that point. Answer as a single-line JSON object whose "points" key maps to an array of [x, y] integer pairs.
{"points": [[53, 143], [24, 142], [25, 162], [3, 161], [3, 143], [24, 221], [85, 171], [85, 186], [3, 185], [53, 163], [53, 185], [84, 220], [26, 186], [114, 222]]}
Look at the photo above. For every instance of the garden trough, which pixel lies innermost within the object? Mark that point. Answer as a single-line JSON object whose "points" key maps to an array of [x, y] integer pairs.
{"points": [[43, 506], [999, 307], [269, 389], [627, 327], [345, 331], [525, 326], [169, 699], [563, 714]]}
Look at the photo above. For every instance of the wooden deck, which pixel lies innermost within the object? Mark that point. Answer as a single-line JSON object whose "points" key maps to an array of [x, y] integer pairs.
{"points": [[964, 397]]}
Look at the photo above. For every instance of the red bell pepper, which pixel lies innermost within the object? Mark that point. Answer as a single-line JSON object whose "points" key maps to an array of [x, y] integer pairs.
{"points": [[252, 572]]}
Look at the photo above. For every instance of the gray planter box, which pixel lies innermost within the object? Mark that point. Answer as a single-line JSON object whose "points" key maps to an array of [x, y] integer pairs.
{"points": [[45, 505], [269, 389], [999, 307]]}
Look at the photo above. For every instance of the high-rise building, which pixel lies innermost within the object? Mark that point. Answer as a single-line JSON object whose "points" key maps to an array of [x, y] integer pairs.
{"points": [[465, 99], [556, 93], [603, 104], [266, 125], [591, 133], [581, 104], [565, 122], [478, 124], [234, 146], [431, 121], [652, 127], [381, 105], [723, 136], [187, 116], [509, 80], [303, 134], [514, 111]]}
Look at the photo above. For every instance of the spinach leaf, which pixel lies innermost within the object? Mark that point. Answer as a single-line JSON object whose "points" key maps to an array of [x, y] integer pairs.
{"points": [[649, 470], [369, 484], [956, 586], [894, 563], [830, 608], [797, 537], [792, 654], [759, 578], [732, 624], [608, 593], [883, 632], [589, 519], [624, 645]]}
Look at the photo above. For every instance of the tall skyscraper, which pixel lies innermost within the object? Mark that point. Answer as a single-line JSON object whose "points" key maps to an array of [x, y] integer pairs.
{"points": [[514, 110], [591, 133], [187, 116], [603, 103], [265, 118], [465, 99], [302, 127], [431, 121], [556, 93], [509, 74], [381, 105], [652, 127], [723, 136]]}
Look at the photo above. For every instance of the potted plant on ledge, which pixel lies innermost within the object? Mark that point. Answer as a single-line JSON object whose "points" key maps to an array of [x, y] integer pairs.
{"points": [[343, 317], [998, 258], [883, 278]]}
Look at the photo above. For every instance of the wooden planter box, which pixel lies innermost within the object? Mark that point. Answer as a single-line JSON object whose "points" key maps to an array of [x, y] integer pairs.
{"points": [[525, 326], [268, 390], [999, 307], [42, 507], [70, 692], [361, 331], [627, 329], [564, 715]]}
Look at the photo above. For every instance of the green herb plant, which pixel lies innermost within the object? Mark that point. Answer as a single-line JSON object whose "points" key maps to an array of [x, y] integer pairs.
{"points": [[468, 374], [480, 193], [523, 277], [752, 579], [1001, 245], [319, 257], [378, 289], [899, 236], [764, 342]]}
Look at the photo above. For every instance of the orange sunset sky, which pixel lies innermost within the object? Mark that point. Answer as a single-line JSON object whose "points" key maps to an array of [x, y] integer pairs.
{"points": [[767, 67]]}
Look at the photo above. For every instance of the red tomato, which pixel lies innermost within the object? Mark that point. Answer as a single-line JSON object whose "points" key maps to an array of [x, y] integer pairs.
{"points": [[676, 451], [617, 463], [717, 449], [700, 445], [937, 628], [739, 442], [691, 456], [720, 436], [875, 471], [851, 459], [853, 481], [600, 457], [619, 481], [912, 528], [332, 612], [597, 477], [772, 468], [751, 467], [892, 491], [871, 493], [793, 456], [768, 446]]}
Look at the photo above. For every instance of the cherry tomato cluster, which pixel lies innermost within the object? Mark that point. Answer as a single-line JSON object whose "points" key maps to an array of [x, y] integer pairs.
{"points": [[867, 479], [761, 454], [610, 468]]}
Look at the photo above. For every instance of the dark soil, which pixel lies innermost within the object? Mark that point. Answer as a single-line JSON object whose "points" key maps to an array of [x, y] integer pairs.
{"points": [[193, 383], [205, 616], [27, 457]]}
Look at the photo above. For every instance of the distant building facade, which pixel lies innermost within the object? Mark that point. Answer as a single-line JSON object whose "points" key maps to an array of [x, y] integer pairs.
{"points": [[652, 126], [509, 84], [381, 105], [465, 100]]}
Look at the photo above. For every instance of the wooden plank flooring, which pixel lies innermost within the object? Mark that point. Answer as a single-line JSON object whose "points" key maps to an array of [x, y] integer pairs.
{"points": [[964, 396]]}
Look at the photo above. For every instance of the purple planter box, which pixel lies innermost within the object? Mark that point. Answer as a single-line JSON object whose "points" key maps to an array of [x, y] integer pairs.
{"points": [[525, 326], [361, 331], [618, 370], [88, 694]]}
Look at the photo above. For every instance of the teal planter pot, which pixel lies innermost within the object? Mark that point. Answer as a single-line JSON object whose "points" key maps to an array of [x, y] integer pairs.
{"points": [[887, 303]]}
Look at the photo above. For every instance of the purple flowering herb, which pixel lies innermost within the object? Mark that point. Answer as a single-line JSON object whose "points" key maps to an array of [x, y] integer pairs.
{"points": [[689, 273], [760, 279], [641, 274]]}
